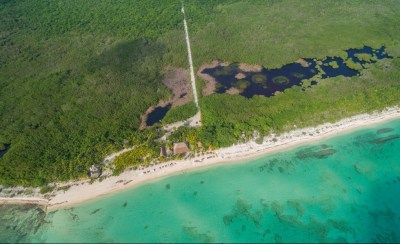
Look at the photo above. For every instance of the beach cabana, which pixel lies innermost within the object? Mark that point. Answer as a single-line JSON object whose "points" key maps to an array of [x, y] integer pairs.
{"points": [[181, 147]]}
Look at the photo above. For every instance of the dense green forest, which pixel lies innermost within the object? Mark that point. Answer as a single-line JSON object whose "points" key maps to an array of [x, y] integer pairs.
{"points": [[179, 113], [76, 75]]}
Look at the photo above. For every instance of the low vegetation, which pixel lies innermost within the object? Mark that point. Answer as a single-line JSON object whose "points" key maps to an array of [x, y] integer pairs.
{"points": [[242, 84], [281, 80], [365, 57], [334, 64], [259, 79], [353, 65], [275, 33]]}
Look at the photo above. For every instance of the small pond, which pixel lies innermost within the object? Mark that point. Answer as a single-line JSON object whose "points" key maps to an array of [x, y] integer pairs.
{"points": [[4, 149], [157, 115], [231, 79]]}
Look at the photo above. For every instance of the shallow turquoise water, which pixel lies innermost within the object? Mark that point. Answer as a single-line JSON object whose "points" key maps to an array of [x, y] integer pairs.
{"points": [[343, 189]]}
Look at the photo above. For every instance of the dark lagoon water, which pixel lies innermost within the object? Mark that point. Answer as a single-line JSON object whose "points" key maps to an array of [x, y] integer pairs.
{"points": [[6, 147], [265, 83], [342, 68], [378, 53], [344, 189], [157, 115], [269, 81]]}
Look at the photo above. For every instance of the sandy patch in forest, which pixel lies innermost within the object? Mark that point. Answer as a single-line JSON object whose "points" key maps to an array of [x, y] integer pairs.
{"points": [[209, 87], [233, 91], [240, 76], [302, 62], [177, 80], [250, 67]]}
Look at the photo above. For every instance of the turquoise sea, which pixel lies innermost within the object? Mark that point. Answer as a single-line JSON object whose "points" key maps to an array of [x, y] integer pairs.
{"points": [[344, 189]]}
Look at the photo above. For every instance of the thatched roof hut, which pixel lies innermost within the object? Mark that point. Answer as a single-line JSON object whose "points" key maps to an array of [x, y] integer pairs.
{"points": [[181, 147]]}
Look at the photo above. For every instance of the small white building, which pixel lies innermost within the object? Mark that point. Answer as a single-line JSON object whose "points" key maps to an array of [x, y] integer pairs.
{"points": [[94, 171]]}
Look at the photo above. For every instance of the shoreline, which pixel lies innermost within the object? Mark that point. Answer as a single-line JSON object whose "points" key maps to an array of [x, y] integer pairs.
{"points": [[82, 191], [42, 202]]}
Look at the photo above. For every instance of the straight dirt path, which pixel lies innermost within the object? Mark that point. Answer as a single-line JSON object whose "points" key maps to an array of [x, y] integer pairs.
{"points": [[194, 121], [196, 118]]}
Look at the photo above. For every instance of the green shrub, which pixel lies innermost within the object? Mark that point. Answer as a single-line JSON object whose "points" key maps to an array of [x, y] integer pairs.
{"points": [[46, 189], [259, 79], [334, 64], [242, 84], [280, 80], [227, 70], [353, 65], [365, 57], [298, 75], [180, 113]]}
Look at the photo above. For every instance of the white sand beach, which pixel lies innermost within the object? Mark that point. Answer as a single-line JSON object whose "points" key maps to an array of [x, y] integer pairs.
{"points": [[81, 191]]}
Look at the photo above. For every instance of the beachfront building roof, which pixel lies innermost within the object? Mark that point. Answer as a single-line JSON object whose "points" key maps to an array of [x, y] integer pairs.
{"points": [[94, 171], [181, 147]]}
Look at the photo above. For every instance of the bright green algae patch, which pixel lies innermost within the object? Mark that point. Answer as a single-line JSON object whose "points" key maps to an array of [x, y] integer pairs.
{"points": [[338, 190]]}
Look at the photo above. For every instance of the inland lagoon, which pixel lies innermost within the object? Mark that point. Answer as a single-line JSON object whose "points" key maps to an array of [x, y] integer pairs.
{"points": [[267, 82], [233, 79], [3, 149], [157, 115], [344, 189]]}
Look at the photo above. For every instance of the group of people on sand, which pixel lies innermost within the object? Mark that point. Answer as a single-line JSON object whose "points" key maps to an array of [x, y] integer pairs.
{"points": [[159, 167]]}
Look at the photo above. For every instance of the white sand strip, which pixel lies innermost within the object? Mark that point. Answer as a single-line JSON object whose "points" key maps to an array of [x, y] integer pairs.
{"points": [[81, 191], [24, 200]]}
